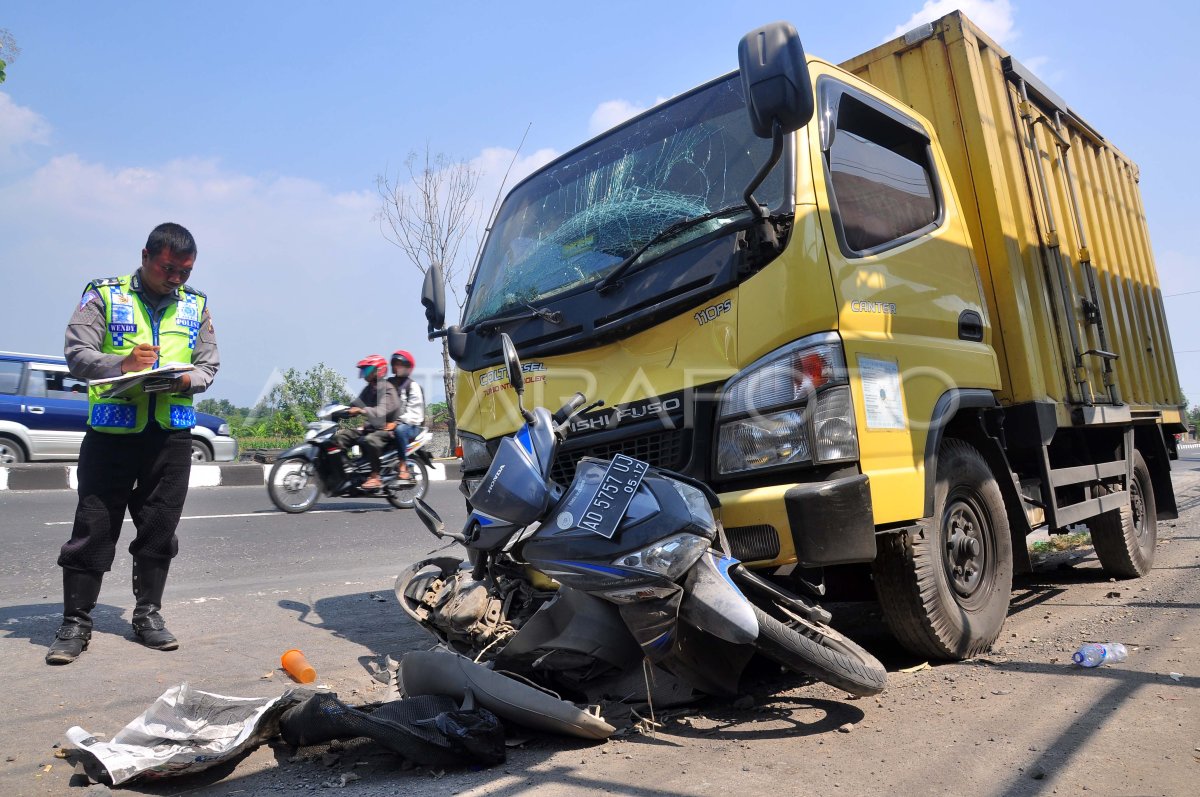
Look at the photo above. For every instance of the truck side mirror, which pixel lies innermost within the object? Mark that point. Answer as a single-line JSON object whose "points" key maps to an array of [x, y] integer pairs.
{"points": [[512, 364], [433, 298], [775, 79]]}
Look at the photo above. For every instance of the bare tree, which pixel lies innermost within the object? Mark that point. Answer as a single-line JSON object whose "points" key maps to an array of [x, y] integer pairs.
{"points": [[428, 215], [8, 50]]}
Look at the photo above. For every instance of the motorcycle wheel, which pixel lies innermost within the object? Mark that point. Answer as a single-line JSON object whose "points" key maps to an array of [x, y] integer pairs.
{"points": [[405, 494], [815, 649], [293, 485]]}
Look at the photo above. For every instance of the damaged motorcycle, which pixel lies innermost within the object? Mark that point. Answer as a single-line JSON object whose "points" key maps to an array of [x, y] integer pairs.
{"points": [[578, 586]]}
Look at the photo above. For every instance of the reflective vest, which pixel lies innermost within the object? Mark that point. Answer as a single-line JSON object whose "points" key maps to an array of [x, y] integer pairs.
{"points": [[128, 322]]}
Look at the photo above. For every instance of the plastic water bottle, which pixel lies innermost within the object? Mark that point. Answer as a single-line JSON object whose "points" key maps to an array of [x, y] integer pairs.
{"points": [[1093, 654]]}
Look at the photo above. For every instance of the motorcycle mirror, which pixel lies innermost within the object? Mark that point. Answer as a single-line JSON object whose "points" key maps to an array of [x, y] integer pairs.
{"points": [[512, 364], [429, 517]]}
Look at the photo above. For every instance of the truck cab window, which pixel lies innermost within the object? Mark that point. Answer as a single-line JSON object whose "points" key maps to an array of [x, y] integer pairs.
{"points": [[881, 178]]}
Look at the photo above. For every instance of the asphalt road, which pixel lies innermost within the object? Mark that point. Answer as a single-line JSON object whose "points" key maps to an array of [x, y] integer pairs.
{"points": [[251, 583]]}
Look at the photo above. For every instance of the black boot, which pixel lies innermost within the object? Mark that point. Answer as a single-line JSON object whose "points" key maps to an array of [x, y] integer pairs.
{"points": [[149, 581], [81, 589]]}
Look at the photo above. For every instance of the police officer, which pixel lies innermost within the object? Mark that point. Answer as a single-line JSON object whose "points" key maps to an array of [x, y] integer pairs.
{"points": [[137, 452]]}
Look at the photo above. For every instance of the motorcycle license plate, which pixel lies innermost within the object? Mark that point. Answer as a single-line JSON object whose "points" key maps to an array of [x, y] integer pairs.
{"points": [[616, 490]]}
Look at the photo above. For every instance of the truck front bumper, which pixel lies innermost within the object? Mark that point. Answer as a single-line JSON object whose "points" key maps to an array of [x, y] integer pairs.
{"points": [[824, 523]]}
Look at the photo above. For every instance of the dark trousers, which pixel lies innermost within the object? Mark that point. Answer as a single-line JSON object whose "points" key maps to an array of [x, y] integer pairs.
{"points": [[146, 473], [372, 443]]}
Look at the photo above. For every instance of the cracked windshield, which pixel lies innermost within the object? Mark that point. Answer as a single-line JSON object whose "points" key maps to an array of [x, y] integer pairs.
{"points": [[574, 222]]}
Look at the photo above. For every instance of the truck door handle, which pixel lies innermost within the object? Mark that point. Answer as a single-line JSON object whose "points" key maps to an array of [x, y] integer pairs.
{"points": [[970, 326], [37, 410]]}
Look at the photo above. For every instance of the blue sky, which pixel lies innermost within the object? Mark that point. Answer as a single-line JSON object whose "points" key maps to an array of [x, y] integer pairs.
{"points": [[263, 126]]}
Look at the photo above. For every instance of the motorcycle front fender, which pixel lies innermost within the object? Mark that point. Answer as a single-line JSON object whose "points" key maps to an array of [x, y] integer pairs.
{"points": [[713, 603]]}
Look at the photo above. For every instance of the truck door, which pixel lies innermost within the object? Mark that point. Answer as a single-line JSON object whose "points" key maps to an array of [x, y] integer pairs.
{"points": [[1078, 313], [911, 310]]}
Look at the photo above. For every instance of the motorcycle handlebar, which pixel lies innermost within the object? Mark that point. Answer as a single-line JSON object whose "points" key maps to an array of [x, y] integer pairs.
{"points": [[566, 410]]}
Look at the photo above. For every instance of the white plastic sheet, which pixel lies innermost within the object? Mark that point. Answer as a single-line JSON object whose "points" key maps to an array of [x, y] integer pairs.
{"points": [[183, 732]]}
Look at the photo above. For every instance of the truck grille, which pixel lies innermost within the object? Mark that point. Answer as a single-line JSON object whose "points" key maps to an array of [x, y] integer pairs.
{"points": [[753, 543], [666, 449]]}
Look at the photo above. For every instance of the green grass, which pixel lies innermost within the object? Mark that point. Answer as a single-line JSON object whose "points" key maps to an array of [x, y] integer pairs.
{"points": [[1063, 542], [255, 443]]}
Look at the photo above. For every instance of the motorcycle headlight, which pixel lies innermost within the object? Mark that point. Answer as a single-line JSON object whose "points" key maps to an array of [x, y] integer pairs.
{"points": [[223, 429], [792, 406], [671, 557], [475, 454]]}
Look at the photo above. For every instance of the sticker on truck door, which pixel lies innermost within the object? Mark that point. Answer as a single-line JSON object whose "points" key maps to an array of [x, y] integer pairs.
{"points": [[882, 403]]}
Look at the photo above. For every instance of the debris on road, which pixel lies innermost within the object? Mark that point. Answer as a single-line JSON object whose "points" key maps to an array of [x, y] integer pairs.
{"points": [[183, 732]]}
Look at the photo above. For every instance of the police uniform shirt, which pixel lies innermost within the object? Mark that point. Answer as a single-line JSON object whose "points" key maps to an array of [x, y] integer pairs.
{"points": [[86, 329]]}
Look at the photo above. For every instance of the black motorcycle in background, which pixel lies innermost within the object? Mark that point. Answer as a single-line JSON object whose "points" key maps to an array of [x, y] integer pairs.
{"points": [[317, 467]]}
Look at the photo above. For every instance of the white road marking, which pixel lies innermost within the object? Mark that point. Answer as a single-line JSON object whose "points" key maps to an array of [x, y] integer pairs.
{"points": [[243, 514]]}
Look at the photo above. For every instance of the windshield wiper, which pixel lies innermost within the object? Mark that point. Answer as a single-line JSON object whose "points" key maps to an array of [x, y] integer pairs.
{"points": [[612, 281], [494, 324]]}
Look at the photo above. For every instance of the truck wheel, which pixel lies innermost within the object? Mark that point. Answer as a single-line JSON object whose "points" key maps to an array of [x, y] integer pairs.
{"points": [[944, 586], [1124, 538]]}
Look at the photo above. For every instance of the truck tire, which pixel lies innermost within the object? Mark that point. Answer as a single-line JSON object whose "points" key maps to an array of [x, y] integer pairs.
{"points": [[816, 650], [1125, 538], [944, 586]]}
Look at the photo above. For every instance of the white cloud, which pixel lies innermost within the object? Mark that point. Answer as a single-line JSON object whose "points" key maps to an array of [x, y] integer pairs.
{"points": [[611, 113], [995, 17], [20, 127], [297, 274]]}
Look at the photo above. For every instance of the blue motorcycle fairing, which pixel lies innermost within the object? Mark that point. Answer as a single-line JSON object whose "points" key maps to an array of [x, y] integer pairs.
{"points": [[513, 489], [713, 603]]}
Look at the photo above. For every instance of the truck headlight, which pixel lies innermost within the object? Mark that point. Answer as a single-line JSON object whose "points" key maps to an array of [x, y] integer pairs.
{"points": [[790, 407], [780, 438]]}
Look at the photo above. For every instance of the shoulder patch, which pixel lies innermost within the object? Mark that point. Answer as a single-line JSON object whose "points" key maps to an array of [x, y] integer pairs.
{"points": [[190, 289], [106, 281]]}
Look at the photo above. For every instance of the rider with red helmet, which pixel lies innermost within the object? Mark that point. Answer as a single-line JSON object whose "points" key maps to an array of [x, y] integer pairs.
{"points": [[412, 404], [380, 403]]}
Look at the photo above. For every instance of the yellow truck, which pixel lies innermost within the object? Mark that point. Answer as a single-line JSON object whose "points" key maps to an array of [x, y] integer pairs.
{"points": [[899, 313]]}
